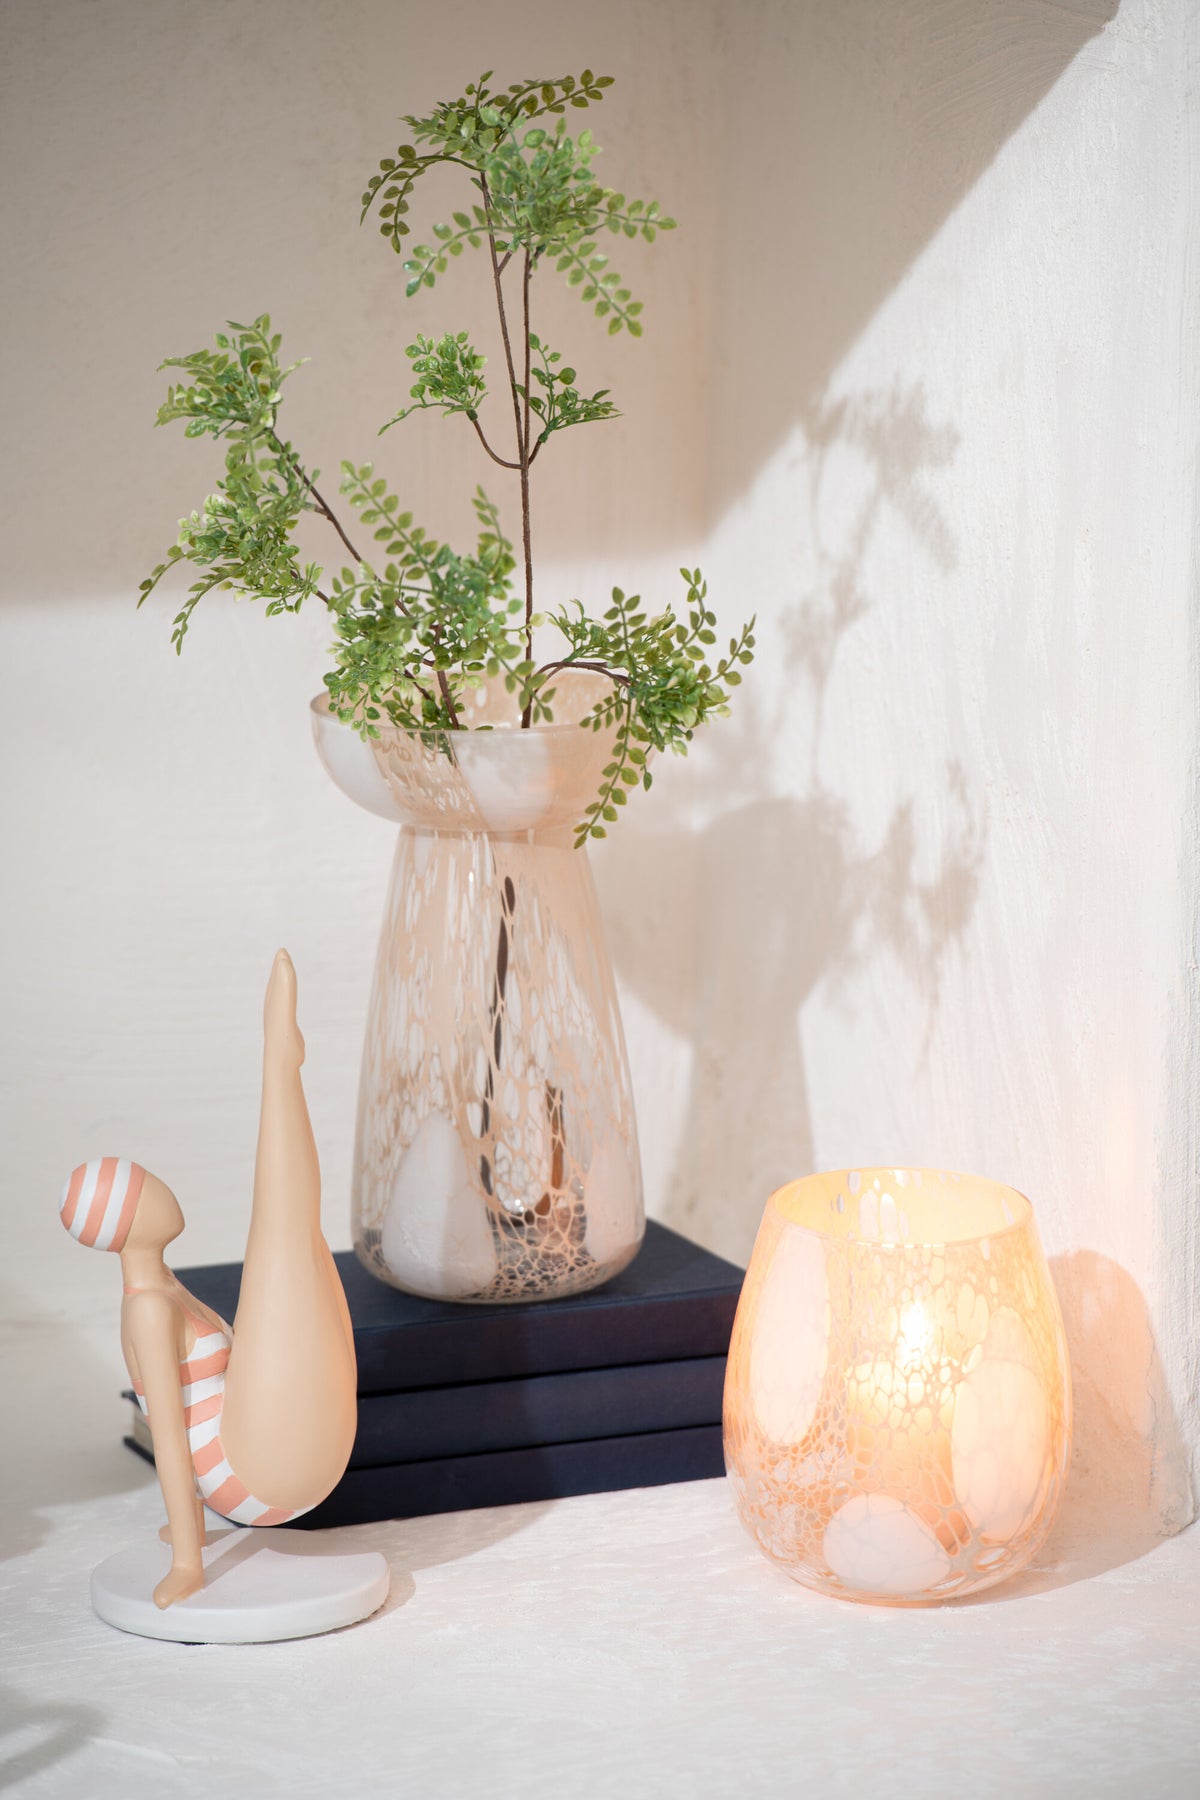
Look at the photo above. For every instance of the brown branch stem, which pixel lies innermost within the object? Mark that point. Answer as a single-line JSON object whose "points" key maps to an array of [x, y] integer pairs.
{"points": [[520, 420], [527, 715], [572, 662], [448, 698], [323, 506], [508, 355], [502, 460]]}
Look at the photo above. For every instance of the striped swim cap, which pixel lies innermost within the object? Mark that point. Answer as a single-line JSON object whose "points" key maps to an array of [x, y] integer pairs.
{"points": [[99, 1201]]}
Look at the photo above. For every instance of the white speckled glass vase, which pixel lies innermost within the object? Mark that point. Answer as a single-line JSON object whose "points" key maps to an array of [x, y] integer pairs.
{"points": [[496, 1156], [897, 1400]]}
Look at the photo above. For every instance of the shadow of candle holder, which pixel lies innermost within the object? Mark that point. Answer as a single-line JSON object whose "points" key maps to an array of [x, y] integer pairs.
{"points": [[1129, 1485]]}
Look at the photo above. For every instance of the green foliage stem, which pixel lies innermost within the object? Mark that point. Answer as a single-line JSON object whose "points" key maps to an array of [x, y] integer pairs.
{"points": [[417, 624]]}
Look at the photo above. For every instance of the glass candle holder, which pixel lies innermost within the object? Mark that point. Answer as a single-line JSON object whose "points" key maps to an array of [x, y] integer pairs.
{"points": [[898, 1397]]}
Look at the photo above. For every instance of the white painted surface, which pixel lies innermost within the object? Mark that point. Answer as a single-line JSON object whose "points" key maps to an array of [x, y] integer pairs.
{"points": [[633, 1643], [617, 1644], [919, 385]]}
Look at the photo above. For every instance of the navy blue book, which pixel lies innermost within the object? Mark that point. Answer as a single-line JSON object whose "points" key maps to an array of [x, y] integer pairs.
{"points": [[673, 1303], [504, 1477], [427, 1423], [468, 1406]]}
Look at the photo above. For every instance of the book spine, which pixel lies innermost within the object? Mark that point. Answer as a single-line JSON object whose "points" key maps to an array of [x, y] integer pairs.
{"points": [[506, 1478], [426, 1423], [508, 1347], [676, 1302]]}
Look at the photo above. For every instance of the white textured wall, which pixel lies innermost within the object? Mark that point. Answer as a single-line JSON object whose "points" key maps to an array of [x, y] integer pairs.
{"points": [[918, 385]]}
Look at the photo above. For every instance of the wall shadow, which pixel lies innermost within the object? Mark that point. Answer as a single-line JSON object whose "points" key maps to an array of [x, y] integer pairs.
{"points": [[779, 894], [1129, 1469], [34, 1737], [1128, 1486], [852, 133], [67, 1414], [809, 150], [432, 1540]]}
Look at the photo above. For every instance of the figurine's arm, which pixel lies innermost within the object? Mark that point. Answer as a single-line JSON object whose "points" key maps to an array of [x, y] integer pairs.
{"points": [[153, 1334]]}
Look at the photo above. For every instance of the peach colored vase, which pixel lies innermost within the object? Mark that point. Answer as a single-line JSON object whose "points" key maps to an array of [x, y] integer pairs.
{"points": [[898, 1400], [496, 1156]]}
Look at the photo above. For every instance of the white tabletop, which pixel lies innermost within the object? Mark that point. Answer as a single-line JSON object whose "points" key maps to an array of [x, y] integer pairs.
{"points": [[629, 1644]]}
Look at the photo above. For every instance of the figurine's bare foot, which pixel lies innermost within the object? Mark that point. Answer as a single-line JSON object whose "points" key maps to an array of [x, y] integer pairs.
{"points": [[280, 1030], [177, 1586]]}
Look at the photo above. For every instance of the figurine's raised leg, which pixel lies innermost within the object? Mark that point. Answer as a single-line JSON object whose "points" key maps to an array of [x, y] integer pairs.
{"points": [[289, 1415]]}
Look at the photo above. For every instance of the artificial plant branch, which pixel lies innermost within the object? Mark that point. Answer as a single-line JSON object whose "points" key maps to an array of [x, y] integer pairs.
{"points": [[424, 692], [508, 355], [525, 461], [575, 662], [528, 267], [502, 460], [521, 427], [416, 631], [323, 506], [447, 697]]}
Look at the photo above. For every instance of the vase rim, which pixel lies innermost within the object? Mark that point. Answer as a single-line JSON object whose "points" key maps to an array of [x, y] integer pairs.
{"points": [[320, 705], [500, 781], [798, 1205]]}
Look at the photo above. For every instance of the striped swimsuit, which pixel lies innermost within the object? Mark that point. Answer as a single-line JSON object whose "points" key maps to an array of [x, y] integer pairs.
{"points": [[202, 1379]]}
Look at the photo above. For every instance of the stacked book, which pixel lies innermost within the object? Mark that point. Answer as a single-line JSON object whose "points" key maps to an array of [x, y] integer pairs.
{"points": [[464, 1406]]}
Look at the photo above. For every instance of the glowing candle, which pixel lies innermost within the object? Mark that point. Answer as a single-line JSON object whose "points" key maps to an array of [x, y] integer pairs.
{"points": [[897, 1400]]}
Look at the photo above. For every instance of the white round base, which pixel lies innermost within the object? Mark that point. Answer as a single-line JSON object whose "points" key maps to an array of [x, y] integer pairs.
{"points": [[259, 1586]]}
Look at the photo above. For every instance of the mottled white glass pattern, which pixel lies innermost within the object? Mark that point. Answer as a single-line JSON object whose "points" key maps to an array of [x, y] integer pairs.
{"points": [[897, 1401], [496, 1155]]}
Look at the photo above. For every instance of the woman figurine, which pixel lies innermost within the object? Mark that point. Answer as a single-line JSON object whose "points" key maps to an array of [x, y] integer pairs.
{"points": [[256, 1422]]}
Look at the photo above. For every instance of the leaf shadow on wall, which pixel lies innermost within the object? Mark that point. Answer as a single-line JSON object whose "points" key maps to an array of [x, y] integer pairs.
{"points": [[777, 895], [854, 132], [1128, 1486], [837, 141]]}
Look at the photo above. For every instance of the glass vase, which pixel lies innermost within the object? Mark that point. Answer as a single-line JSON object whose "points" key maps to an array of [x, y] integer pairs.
{"points": [[897, 1399], [496, 1153]]}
